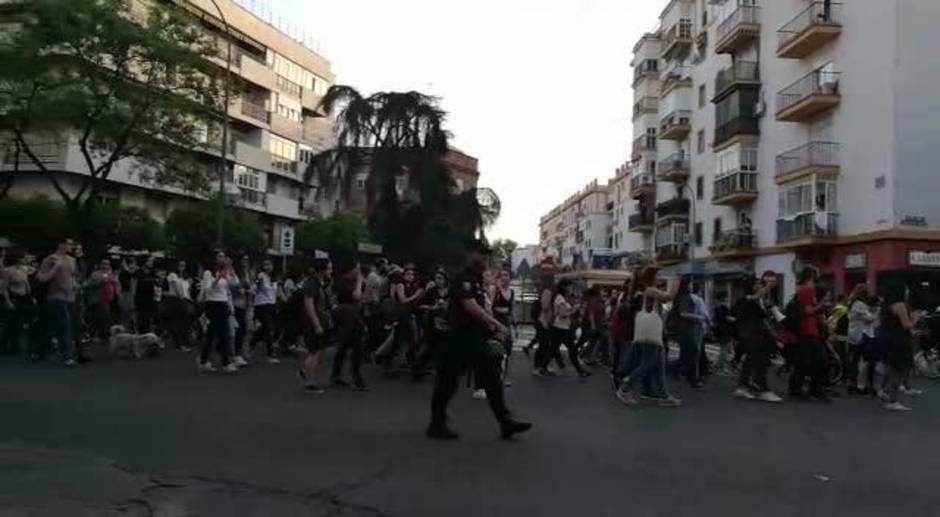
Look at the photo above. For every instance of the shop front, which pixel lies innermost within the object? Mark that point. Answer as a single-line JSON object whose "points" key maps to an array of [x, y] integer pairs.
{"points": [[916, 263]]}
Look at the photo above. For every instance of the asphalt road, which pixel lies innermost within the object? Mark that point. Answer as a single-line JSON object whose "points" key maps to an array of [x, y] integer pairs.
{"points": [[153, 438]]}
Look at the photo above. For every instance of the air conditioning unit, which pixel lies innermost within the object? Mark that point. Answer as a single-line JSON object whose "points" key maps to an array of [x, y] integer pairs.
{"points": [[760, 108]]}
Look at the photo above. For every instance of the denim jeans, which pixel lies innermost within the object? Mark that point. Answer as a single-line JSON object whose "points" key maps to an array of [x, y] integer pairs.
{"points": [[219, 331], [650, 367], [58, 323], [690, 354]]}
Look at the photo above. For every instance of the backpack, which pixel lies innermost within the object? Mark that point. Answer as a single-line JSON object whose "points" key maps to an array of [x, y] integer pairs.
{"points": [[792, 316]]}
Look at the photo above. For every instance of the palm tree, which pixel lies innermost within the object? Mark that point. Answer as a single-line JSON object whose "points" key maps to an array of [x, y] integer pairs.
{"points": [[393, 137]]}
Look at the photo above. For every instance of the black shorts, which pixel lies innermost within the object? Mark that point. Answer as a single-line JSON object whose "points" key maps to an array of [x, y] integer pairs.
{"points": [[314, 342]]}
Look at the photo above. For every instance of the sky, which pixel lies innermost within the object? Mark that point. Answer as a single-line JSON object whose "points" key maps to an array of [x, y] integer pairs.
{"points": [[538, 90]]}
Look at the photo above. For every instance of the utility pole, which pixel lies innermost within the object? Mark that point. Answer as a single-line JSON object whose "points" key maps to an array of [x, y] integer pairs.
{"points": [[223, 162]]}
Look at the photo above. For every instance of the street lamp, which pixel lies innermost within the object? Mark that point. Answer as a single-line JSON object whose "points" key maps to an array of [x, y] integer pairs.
{"points": [[223, 163]]}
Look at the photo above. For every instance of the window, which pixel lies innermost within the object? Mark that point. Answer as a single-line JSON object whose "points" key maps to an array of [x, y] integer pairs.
{"points": [[795, 200], [249, 178], [283, 154], [716, 229], [700, 188], [360, 182], [698, 234], [701, 96], [700, 141]]}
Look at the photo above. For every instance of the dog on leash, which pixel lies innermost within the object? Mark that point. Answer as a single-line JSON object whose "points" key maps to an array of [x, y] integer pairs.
{"points": [[136, 346]]}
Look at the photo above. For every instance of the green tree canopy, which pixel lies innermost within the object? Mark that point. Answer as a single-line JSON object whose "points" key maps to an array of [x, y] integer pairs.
{"points": [[503, 248], [191, 237], [398, 138], [123, 79], [339, 235]]}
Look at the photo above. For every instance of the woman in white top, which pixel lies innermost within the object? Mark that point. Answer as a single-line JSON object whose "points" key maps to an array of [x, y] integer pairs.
{"points": [[179, 306], [562, 332], [265, 291], [648, 335], [862, 321], [216, 294]]}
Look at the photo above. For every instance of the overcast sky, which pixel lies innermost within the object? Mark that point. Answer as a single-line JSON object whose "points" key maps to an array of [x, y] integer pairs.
{"points": [[538, 90]]}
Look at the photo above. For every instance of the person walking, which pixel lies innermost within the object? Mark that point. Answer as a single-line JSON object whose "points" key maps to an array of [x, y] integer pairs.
{"points": [[897, 326], [265, 308], [503, 298], [315, 324], [216, 294], [808, 354], [145, 296], [240, 287], [689, 330], [562, 330], [57, 272], [17, 298], [592, 324], [350, 329], [861, 331], [621, 330], [471, 326], [756, 341], [179, 307], [648, 336]]}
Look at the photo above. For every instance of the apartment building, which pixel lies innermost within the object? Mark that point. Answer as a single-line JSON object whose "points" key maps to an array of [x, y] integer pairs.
{"points": [[787, 132], [275, 128], [578, 230]]}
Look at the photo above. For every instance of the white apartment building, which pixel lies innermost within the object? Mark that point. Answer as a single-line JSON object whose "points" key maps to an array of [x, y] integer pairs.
{"points": [[579, 229], [276, 128], [787, 132]]}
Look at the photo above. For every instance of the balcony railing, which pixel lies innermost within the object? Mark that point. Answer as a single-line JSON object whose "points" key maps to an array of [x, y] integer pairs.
{"points": [[289, 87], [817, 82], [674, 207], [674, 76], [811, 225], [284, 165], [255, 111], [646, 67], [645, 105], [744, 15], [672, 252], [253, 198], [675, 165], [640, 221], [741, 125], [644, 143], [50, 154], [818, 14], [676, 120], [640, 181], [734, 240], [735, 184], [680, 33], [741, 72], [810, 156]]}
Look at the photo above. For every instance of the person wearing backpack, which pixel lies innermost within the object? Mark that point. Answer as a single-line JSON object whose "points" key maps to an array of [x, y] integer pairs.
{"points": [[756, 341], [807, 352]]}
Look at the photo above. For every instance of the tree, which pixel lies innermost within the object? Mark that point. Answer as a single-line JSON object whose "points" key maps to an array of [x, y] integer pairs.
{"points": [[125, 80], [190, 238], [503, 248], [35, 224], [397, 137], [339, 235]]}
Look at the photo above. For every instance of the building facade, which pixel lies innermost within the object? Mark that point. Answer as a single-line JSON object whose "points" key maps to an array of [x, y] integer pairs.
{"points": [[275, 128], [772, 134]]}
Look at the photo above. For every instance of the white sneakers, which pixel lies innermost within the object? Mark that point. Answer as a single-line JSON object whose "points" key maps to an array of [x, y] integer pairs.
{"points": [[230, 369], [239, 361], [766, 396], [895, 406], [273, 360], [479, 394], [206, 367], [911, 391]]}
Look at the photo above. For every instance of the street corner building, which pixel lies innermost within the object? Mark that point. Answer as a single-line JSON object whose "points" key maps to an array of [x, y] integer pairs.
{"points": [[772, 134]]}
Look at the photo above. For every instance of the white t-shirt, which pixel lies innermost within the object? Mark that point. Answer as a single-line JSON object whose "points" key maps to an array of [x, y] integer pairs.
{"points": [[562, 311], [215, 290], [179, 286]]}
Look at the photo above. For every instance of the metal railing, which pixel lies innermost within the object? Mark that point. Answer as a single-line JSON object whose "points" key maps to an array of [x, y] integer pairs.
{"points": [[813, 154], [284, 165], [647, 66], [289, 87], [741, 72], [645, 105], [637, 220], [817, 82], [743, 14], [735, 183], [682, 30], [644, 143], [253, 197], [256, 111], [642, 180], [675, 251], [49, 154], [675, 163], [674, 75], [734, 240], [740, 125], [677, 206], [676, 118], [818, 13], [807, 225]]}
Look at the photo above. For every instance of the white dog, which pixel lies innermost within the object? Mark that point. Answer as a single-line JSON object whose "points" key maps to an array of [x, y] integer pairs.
{"points": [[137, 346]]}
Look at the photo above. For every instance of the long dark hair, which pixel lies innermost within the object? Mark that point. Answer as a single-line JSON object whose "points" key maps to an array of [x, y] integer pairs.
{"points": [[563, 288]]}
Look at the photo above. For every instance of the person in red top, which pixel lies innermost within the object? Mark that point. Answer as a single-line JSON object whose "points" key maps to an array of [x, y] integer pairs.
{"points": [[808, 354], [103, 284]]}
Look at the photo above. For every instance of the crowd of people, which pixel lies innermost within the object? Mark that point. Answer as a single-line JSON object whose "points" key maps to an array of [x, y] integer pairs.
{"points": [[864, 344]]}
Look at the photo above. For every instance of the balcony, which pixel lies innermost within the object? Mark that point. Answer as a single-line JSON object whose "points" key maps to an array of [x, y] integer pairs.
{"points": [[643, 144], [646, 69], [734, 242], [741, 73], [283, 166], [738, 30], [807, 229], [674, 208], [672, 253], [814, 158], [735, 189], [645, 105], [740, 125], [310, 101], [286, 127], [51, 155], [677, 40], [810, 96], [676, 125], [252, 198], [674, 169], [254, 111], [641, 223], [642, 185], [817, 25], [679, 76], [285, 85]]}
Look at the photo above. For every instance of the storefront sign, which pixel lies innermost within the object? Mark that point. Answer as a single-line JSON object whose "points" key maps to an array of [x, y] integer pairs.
{"points": [[856, 261], [923, 259]]}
